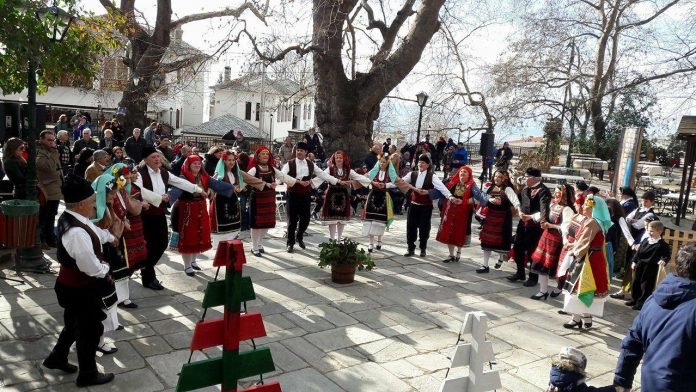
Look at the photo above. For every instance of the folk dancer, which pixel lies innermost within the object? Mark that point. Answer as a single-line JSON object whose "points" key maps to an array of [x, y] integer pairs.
{"points": [[83, 287], [153, 181], [421, 210], [455, 226], [378, 213], [652, 254], [496, 230], [587, 282], [535, 199], [134, 245], [190, 212], [225, 212], [336, 211], [545, 257], [299, 195], [262, 199]]}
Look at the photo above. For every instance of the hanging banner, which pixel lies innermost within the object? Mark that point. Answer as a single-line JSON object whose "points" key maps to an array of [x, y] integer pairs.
{"points": [[627, 159]]}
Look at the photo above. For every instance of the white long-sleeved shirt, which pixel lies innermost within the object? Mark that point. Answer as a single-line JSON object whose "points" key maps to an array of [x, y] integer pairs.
{"points": [[302, 171], [364, 181], [154, 197], [640, 223], [78, 244], [437, 183]]}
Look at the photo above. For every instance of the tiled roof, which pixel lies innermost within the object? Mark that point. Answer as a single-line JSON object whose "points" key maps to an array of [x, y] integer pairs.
{"points": [[253, 84], [219, 126]]}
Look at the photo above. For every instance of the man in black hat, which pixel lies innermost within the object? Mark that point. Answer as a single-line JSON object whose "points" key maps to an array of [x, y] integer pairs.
{"points": [[153, 180], [421, 210], [535, 201], [83, 287], [299, 196]]}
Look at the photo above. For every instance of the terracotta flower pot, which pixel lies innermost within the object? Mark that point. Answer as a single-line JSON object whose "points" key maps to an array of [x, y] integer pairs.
{"points": [[343, 273]]}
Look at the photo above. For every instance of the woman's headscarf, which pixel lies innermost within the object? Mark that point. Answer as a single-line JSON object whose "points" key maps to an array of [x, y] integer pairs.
{"points": [[469, 184], [600, 211], [254, 161], [121, 172], [332, 163], [202, 175], [104, 184], [221, 168], [390, 170]]}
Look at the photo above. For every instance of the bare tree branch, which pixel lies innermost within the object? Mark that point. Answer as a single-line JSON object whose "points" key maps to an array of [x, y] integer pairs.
{"points": [[235, 12]]}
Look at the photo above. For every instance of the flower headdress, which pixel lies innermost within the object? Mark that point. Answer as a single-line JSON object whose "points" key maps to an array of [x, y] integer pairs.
{"points": [[121, 172]]}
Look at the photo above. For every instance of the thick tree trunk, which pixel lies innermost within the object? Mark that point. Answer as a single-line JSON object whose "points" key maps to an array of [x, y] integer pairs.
{"points": [[599, 126], [134, 100]]}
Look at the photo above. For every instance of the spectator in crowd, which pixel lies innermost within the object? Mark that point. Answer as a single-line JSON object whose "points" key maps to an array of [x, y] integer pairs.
{"points": [[66, 157], [503, 157], [134, 146], [429, 146], [96, 169], [150, 135], [107, 125], [440, 148], [116, 127], [85, 142], [50, 180], [83, 160], [372, 157], [386, 146], [160, 132], [663, 334], [286, 151], [82, 124], [184, 152], [108, 141], [487, 163], [460, 157], [313, 140], [117, 155], [15, 166], [241, 143], [63, 124], [211, 159], [166, 150], [75, 121]]}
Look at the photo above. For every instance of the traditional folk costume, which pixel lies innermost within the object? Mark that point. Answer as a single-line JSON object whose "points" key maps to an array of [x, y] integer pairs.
{"points": [[82, 287], [647, 261], [262, 199], [190, 213], [153, 184], [421, 210], [378, 213], [636, 223], [299, 197], [455, 226], [534, 201], [587, 283], [496, 231], [336, 211], [545, 257], [225, 212]]}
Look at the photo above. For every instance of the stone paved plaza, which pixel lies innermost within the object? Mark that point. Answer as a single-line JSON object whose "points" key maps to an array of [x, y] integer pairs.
{"points": [[392, 330]]}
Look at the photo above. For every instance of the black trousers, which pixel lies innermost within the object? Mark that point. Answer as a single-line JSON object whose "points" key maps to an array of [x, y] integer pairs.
{"points": [[298, 215], [643, 284], [418, 225], [47, 221], [83, 325], [526, 240], [156, 234]]}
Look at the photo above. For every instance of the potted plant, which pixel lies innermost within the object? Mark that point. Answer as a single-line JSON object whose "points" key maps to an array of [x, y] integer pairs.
{"points": [[344, 258]]}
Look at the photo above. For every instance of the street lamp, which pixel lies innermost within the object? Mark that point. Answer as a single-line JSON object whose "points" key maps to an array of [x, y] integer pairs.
{"points": [[56, 22], [136, 79], [573, 110], [270, 131], [422, 98], [171, 110]]}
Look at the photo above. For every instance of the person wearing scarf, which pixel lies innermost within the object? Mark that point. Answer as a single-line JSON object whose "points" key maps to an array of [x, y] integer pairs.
{"points": [[262, 200], [545, 257], [378, 213], [420, 212], [568, 373], [134, 245], [336, 211], [587, 283], [496, 230], [190, 213], [455, 226]]}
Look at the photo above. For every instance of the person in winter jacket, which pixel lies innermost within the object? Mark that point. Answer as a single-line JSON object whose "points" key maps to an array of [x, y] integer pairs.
{"points": [[663, 334], [568, 373]]}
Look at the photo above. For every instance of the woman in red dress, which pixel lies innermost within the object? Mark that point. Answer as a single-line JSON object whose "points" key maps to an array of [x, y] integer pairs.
{"points": [[496, 230], [455, 226], [191, 216], [545, 257]]}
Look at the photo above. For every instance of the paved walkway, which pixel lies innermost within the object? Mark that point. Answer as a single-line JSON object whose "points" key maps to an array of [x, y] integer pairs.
{"points": [[392, 330]]}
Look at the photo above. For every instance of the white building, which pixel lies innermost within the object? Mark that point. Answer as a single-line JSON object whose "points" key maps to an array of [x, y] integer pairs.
{"points": [[275, 107]]}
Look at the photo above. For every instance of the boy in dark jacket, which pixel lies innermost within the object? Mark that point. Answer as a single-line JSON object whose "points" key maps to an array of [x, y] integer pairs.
{"points": [[663, 334], [568, 373], [652, 253]]}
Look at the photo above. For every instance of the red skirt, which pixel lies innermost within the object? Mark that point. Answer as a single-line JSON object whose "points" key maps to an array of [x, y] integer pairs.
{"points": [[455, 226], [547, 254], [496, 233], [135, 246], [262, 209], [194, 226]]}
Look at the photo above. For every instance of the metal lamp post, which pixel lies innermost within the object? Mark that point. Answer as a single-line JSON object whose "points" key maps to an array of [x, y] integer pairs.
{"points": [[270, 132], [422, 98], [171, 110], [573, 111], [56, 21]]}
